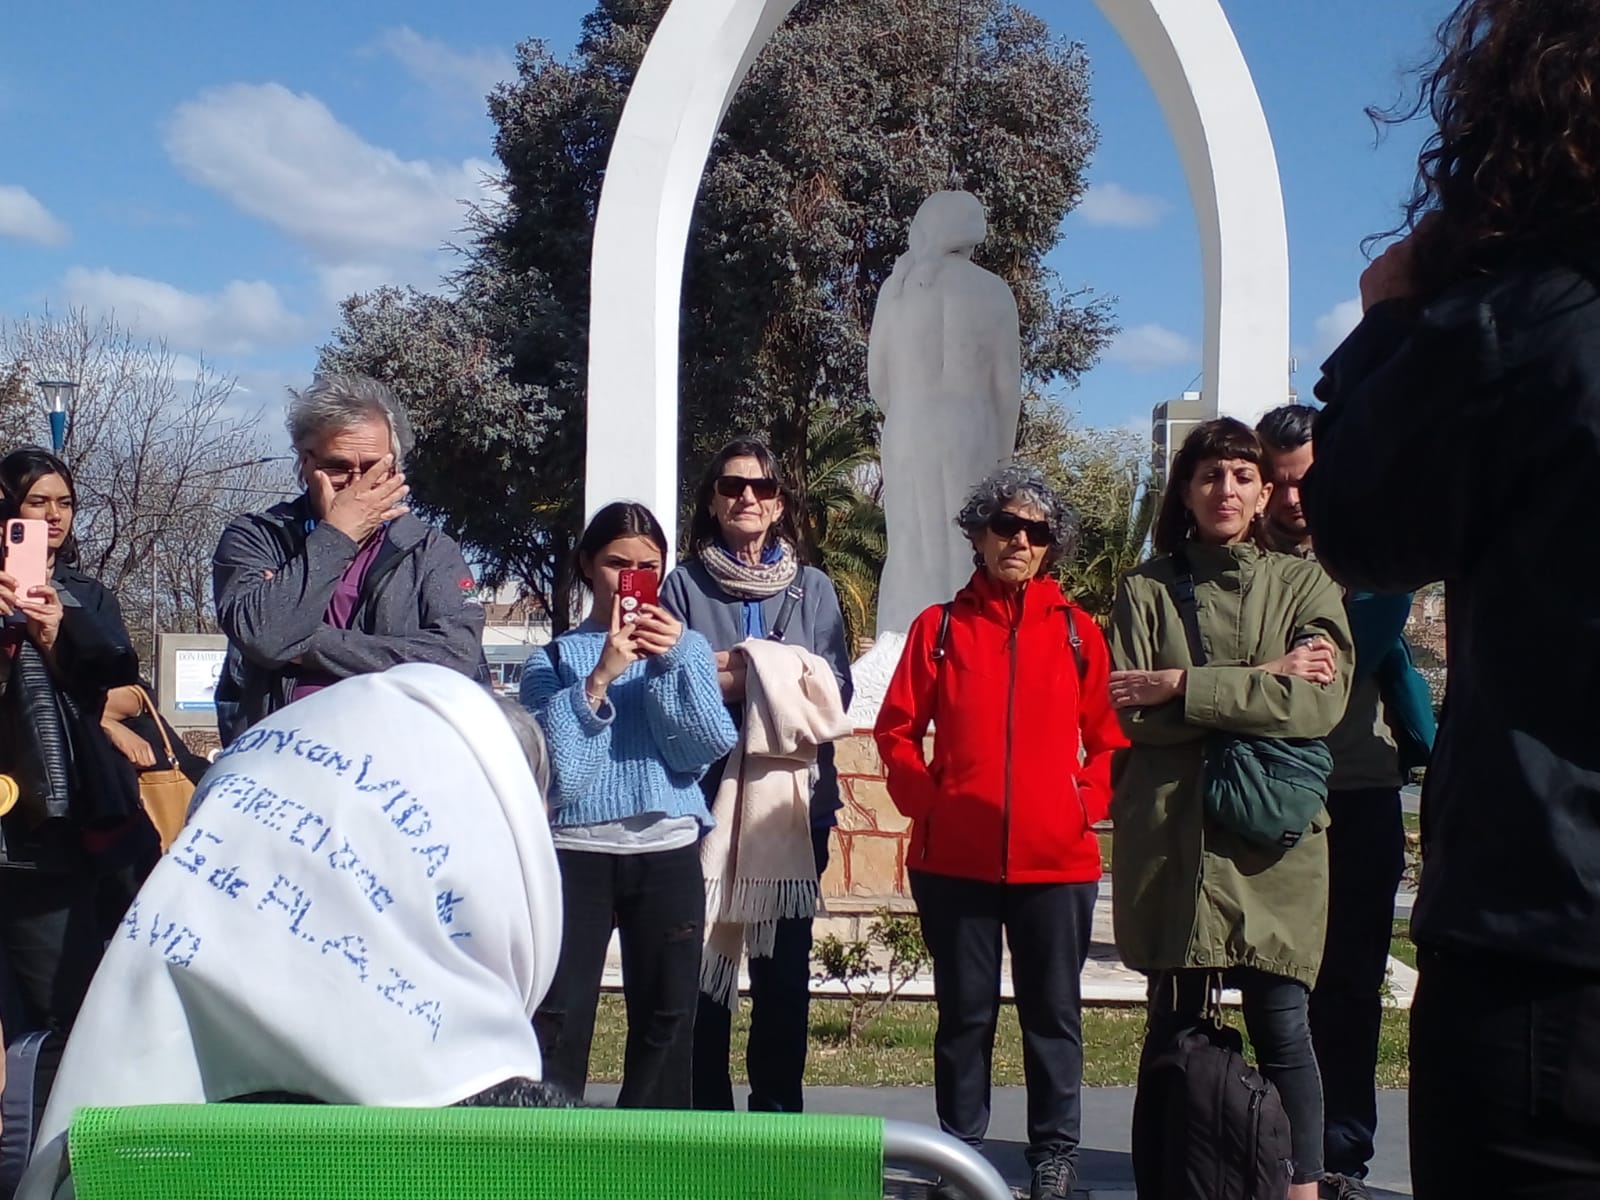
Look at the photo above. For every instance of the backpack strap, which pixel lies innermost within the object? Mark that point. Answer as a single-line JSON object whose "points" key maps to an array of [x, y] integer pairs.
{"points": [[943, 635], [31, 1063], [1076, 643], [552, 651], [938, 653], [792, 597], [1188, 606]]}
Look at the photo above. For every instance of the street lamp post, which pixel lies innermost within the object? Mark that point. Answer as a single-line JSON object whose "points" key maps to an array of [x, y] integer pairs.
{"points": [[58, 397]]}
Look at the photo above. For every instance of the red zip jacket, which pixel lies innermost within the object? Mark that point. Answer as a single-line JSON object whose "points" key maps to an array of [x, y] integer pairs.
{"points": [[1006, 798]]}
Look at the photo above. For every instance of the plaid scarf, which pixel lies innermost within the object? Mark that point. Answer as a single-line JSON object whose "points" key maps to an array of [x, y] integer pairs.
{"points": [[747, 582]]}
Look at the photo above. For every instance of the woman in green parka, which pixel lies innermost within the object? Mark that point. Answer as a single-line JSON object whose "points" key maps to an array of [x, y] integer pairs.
{"points": [[1193, 898]]}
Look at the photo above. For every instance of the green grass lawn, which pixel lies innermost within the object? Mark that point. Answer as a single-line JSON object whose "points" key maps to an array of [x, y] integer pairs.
{"points": [[897, 1050], [1401, 945]]}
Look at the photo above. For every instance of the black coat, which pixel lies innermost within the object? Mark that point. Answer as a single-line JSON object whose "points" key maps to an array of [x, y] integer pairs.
{"points": [[72, 779], [1462, 443]]}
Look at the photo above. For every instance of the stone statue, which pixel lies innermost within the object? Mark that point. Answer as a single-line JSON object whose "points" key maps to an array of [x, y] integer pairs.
{"points": [[944, 365]]}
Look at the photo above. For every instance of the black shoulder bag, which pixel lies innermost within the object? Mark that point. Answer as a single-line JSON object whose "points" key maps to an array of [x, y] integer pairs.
{"points": [[1266, 790], [795, 593]]}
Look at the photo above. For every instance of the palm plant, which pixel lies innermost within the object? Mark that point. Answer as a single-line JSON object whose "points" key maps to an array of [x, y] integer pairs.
{"points": [[841, 516], [1115, 540]]}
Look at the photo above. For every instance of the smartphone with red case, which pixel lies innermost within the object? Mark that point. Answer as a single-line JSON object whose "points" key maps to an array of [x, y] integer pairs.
{"points": [[27, 553], [636, 589]]}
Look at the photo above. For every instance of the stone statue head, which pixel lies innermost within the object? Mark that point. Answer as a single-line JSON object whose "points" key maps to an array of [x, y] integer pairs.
{"points": [[948, 223]]}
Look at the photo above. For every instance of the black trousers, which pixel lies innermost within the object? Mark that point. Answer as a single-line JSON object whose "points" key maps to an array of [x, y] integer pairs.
{"points": [[780, 1022], [1275, 1017], [1366, 858], [1505, 1080], [52, 937], [656, 902], [1047, 927]]}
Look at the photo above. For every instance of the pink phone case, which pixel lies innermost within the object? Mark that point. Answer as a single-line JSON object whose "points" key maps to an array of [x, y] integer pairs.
{"points": [[27, 552]]}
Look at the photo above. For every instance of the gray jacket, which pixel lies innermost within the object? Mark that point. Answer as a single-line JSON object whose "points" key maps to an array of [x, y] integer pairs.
{"points": [[815, 623], [273, 575]]}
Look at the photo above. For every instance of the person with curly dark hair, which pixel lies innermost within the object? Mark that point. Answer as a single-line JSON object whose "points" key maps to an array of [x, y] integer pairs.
{"points": [[1461, 442], [1012, 677]]}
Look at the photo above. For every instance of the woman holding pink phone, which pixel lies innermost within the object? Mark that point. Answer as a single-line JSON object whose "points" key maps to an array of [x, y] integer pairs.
{"points": [[633, 716], [76, 844]]}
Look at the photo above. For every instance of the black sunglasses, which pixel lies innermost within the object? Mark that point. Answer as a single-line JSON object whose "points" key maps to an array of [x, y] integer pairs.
{"points": [[732, 486], [1008, 525]]}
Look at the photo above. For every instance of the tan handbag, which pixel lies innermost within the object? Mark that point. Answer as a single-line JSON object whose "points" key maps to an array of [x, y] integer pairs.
{"points": [[165, 794]]}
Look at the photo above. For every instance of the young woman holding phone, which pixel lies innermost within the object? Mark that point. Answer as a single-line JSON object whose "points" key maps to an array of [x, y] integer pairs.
{"points": [[76, 845], [633, 716]]}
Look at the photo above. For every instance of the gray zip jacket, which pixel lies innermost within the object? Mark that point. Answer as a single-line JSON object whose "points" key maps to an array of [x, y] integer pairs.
{"points": [[815, 624], [273, 575]]}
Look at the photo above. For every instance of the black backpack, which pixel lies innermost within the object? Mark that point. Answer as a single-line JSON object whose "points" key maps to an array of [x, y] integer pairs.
{"points": [[31, 1064], [1206, 1124]]}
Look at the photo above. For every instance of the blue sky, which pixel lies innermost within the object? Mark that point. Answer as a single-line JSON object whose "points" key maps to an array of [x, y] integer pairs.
{"points": [[221, 175]]}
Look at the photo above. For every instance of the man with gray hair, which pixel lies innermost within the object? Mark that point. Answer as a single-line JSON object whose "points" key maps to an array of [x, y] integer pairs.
{"points": [[343, 580]]}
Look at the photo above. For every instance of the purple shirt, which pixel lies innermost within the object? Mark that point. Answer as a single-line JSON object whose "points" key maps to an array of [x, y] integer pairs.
{"points": [[341, 607]]}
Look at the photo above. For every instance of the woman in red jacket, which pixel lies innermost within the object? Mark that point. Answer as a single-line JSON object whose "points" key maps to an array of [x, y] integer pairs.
{"points": [[1013, 678]]}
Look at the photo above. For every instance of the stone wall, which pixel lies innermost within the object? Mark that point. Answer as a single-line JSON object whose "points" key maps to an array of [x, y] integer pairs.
{"points": [[868, 859]]}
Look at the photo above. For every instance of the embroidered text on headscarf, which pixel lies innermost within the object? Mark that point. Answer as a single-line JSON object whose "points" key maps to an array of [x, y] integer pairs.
{"points": [[205, 855], [365, 908]]}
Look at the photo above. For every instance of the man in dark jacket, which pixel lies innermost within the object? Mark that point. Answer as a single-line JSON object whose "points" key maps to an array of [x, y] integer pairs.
{"points": [[344, 580], [1461, 441], [1366, 841]]}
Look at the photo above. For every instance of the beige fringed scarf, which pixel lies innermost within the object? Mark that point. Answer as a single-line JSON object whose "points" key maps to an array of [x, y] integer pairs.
{"points": [[757, 860]]}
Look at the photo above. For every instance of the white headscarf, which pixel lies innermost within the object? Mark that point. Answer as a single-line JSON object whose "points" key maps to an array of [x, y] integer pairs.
{"points": [[364, 908]]}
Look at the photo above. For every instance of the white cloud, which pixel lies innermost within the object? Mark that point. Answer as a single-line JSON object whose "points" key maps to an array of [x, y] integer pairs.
{"points": [[347, 279], [1335, 325], [361, 210], [1113, 206], [243, 316], [23, 217], [467, 75], [1152, 348]]}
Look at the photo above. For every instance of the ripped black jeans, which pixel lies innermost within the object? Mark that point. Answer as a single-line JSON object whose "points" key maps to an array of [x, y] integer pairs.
{"points": [[656, 902]]}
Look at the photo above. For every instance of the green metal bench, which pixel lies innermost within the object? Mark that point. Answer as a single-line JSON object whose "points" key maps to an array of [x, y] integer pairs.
{"points": [[312, 1152]]}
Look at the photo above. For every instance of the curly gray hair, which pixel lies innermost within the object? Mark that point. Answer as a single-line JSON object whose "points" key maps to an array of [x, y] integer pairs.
{"points": [[1012, 483]]}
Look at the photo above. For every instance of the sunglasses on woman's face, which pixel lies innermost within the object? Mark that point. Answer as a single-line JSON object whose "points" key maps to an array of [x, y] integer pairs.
{"points": [[762, 487], [1008, 525]]}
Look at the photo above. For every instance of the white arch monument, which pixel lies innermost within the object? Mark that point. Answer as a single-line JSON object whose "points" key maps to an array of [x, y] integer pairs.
{"points": [[700, 54]]}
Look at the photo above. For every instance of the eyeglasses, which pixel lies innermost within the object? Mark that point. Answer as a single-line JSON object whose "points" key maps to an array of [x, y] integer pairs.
{"points": [[342, 474], [762, 487], [1008, 525]]}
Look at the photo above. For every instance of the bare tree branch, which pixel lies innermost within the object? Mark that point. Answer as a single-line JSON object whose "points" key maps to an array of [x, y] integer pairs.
{"points": [[161, 456]]}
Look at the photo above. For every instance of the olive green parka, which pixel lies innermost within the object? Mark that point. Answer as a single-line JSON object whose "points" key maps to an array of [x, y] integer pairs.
{"points": [[1186, 892]]}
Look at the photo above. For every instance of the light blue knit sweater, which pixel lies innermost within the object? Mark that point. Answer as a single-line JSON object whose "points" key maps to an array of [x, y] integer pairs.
{"points": [[664, 722]]}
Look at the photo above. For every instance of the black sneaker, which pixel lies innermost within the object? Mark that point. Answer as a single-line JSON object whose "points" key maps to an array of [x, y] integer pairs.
{"points": [[1053, 1179], [1342, 1187]]}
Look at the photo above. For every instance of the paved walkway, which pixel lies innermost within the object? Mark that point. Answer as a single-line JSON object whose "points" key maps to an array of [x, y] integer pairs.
{"points": [[1106, 1170]]}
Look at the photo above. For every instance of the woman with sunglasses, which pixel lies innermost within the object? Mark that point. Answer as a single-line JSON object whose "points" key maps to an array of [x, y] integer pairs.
{"points": [[1012, 677], [745, 580]]}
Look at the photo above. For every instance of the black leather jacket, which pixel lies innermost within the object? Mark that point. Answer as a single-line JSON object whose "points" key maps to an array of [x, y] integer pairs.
{"points": [[70, 777]]}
